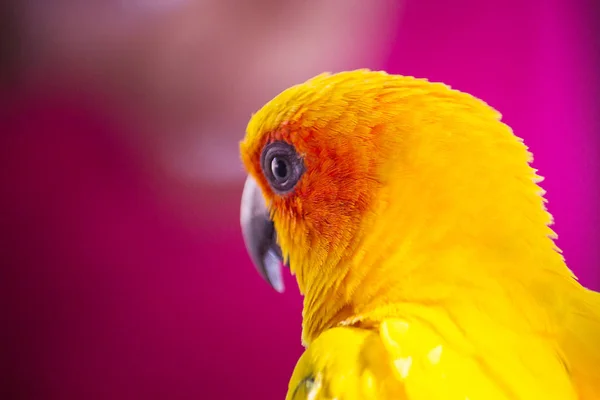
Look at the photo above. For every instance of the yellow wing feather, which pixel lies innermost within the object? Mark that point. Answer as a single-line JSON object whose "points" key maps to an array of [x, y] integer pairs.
{"points": [[345, 363], [416, 359]]}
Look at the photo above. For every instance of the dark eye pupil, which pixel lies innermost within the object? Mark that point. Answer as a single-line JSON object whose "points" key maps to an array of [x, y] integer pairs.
{"points": [[279, 168]]}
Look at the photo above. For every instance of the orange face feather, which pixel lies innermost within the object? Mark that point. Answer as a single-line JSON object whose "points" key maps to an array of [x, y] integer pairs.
{"points": [[405, 182]]}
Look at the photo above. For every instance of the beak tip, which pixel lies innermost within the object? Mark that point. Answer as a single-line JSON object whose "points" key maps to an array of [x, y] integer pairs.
{"points": [[270, 269], [279, 288]]}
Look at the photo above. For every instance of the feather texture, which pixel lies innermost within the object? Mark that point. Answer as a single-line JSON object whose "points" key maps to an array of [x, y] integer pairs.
{"points": [[419, 205]]}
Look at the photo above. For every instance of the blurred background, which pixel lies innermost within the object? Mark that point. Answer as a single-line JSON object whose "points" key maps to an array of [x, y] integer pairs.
{"points": [[123, 271]]}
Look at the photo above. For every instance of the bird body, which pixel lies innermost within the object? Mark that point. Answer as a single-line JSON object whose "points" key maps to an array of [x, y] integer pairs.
{"points": [[418, 235]]}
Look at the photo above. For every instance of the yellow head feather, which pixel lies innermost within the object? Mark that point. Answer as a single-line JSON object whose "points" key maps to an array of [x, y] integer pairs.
{"points": [[413, 192]]}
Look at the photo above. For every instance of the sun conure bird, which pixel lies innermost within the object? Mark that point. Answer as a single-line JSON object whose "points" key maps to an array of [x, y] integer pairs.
{"points": [[413, 222]]}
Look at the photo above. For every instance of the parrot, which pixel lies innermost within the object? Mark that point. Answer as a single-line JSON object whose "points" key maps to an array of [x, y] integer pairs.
{"points": [[418, 234]]}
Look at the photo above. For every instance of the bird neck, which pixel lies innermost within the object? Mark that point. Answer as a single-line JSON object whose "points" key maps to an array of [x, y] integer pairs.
{"points": [[399, 259]]}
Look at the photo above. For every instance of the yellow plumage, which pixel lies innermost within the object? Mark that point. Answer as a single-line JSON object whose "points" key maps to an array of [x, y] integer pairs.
{"points": [[420, 240]]}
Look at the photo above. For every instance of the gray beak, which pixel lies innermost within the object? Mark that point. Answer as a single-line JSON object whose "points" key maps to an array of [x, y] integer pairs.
{"points": [[260, 236]]}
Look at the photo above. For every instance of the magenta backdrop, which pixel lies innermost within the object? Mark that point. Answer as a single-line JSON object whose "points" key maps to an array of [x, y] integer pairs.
{"points": [[112, 295]]}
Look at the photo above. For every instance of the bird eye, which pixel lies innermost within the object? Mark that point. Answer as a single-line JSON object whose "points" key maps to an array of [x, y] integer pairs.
{"points": [[282, 166]]}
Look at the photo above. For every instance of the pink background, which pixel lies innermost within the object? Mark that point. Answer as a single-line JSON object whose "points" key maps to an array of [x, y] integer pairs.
{"points": [[117, 290]]}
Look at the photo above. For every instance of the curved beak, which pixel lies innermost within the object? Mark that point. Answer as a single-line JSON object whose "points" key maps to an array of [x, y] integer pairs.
{"points": [[260, 236]]}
